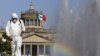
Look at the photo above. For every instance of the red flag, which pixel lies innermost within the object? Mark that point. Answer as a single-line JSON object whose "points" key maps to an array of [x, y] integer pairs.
{"points": [[44, 18]]}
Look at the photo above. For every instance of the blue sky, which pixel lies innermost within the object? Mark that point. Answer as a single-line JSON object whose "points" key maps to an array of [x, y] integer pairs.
{"points": [[49, 8], [7, 7]]}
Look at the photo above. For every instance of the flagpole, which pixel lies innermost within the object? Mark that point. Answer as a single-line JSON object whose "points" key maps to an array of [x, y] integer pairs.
{"points": [[41, 23]]}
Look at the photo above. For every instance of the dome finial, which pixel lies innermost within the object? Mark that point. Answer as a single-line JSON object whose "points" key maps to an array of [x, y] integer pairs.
{"points": [[31, 6]]}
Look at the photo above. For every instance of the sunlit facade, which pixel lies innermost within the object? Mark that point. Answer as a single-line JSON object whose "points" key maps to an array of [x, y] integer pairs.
{"points": [[37, 41]]}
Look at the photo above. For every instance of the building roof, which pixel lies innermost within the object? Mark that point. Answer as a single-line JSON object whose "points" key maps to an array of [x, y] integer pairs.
{"points": [[35, 39]]}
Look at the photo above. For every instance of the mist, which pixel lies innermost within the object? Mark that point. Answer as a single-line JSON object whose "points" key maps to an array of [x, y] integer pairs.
{"points": [[78, 28]]}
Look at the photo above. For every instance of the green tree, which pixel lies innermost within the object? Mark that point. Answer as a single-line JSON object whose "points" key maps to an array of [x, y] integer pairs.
{"points": [[5, 46]]}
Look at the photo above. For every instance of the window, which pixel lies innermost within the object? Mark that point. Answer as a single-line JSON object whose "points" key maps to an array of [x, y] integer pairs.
{"points": [[27, 48], [41, 49], [34, 50], [35, 22], [48, 50], [22, 49], [31, 22]]}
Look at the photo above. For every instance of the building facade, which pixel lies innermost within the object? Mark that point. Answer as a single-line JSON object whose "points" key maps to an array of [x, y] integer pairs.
{"points": [[37, 41]]}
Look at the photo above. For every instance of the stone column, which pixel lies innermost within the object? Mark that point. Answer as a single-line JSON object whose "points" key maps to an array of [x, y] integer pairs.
{"points": [[29, 22], [33, 22], [37, 50], [51, 51], [26, 22], [44, 50], [31, 49], [24, 49]]}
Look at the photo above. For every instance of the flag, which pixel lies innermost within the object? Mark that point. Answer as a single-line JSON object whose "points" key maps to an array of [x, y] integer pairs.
{"points": [[42, 17]]}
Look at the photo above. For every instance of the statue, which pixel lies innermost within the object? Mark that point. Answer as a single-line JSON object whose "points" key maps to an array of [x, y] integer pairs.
{"points": [[14, 29]]}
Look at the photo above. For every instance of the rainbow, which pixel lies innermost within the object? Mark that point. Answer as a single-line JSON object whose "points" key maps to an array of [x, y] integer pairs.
{"points": [[61, 49]]}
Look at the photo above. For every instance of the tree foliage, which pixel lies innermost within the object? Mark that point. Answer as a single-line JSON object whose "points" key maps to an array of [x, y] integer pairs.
{"points": [[5, 46]]}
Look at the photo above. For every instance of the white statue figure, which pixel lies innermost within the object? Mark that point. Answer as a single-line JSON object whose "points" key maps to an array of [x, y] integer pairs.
{"points": [[14, 29]]}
